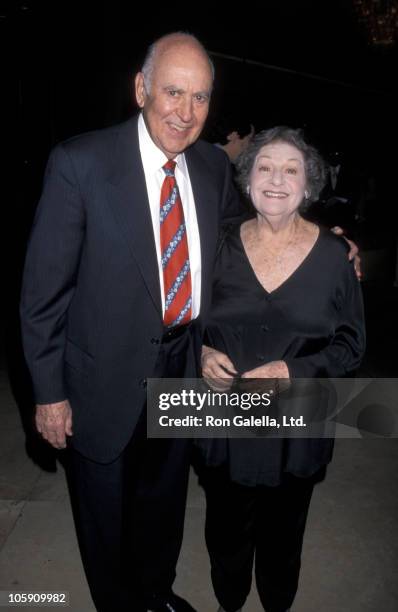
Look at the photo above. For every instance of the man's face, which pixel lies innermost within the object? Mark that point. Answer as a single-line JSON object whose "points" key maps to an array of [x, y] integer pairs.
{"points": [[176, 107]]}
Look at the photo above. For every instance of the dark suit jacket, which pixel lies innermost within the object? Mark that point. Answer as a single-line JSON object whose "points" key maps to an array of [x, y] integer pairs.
{"points": [[91, 304]]}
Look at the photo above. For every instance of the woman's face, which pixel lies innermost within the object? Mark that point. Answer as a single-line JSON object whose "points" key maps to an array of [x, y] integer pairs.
{"points": [[277, 180]]}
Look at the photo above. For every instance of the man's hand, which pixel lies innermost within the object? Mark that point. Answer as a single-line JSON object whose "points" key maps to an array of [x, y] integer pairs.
{"points": [[217, 369], [353, 252], [272, 369], [54, 422]]}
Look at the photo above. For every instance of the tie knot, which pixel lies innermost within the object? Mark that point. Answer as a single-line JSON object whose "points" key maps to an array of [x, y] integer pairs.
{"points": [[169, 167]]}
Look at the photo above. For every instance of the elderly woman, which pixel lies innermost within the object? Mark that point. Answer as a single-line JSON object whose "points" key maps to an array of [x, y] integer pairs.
{"points": [[286, 304]]}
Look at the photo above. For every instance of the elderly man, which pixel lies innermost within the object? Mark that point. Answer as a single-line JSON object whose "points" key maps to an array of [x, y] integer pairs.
{"points": [[117, 282]]}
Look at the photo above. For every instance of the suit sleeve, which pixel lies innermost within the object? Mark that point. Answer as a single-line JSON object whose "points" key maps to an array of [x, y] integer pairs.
{"points": [[346, 348], [50, 273]]}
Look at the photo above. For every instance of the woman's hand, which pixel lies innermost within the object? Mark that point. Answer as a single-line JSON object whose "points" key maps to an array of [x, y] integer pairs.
{"points": [[272, 369], [217, 369], [352, 253]]}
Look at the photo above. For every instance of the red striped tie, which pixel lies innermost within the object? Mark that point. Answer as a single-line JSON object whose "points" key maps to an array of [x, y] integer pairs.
{"points": [[174, 250]]}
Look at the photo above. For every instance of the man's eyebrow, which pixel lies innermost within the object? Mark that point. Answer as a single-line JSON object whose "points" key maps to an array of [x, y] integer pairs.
{"points": [[204, 92], [174, 87]]}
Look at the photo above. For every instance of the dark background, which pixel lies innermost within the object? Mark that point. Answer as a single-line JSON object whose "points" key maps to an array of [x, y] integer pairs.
{"points": [[304, 63], [298, 62]]}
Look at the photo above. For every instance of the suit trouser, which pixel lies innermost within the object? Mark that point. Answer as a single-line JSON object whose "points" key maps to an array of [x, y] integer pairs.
{"points": [[129, 514], [263, 523]]}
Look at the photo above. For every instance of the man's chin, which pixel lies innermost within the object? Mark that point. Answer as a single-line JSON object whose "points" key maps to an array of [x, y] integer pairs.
{"points": [[177, 143], [173, 149]]}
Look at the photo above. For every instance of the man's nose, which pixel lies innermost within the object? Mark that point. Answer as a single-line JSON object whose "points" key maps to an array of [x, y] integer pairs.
{"points": [[185, 109]]}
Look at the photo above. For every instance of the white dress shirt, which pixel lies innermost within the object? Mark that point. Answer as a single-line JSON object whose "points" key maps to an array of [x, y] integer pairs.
{"points": [[153, 160]]}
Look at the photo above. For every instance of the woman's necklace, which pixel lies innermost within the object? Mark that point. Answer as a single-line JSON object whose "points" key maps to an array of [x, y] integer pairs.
{"points": [[278, 255]]}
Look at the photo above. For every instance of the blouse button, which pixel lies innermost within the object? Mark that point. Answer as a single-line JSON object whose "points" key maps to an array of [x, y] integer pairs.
{"points": [[260, 357], [264, 328]]}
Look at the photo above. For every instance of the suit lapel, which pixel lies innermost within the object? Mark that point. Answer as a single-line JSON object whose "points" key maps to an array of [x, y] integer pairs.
{"points": [[127, 195]]}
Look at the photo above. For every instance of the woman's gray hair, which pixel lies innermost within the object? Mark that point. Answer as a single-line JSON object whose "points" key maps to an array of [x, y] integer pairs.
{"points": [[150, 57], [314, 166]]}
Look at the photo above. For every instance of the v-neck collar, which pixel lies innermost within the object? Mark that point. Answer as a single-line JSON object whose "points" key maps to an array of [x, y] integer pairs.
{"points": [[291, 276]]}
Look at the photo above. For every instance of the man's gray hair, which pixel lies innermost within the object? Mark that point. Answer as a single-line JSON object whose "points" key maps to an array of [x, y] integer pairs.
{"points": [[150, 58]]}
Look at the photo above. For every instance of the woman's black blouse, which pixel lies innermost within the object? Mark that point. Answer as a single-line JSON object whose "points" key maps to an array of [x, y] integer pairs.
{"points": [[313, 321]]}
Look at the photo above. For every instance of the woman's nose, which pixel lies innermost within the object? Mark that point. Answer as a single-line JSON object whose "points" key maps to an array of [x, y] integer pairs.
{"points": [[277, 176]]}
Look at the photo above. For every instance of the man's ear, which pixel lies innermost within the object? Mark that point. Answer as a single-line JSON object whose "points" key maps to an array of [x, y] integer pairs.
{"points": [[140, 91]]}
